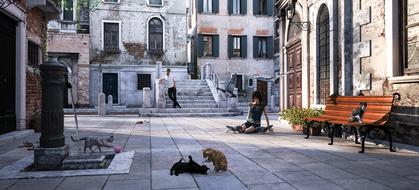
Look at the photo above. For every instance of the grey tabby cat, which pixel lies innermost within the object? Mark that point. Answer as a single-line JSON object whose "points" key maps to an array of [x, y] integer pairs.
{"points": [[91, 141]]}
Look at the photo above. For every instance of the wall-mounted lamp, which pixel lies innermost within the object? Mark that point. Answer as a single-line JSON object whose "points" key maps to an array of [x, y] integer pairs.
{"points": [[290, 12]]}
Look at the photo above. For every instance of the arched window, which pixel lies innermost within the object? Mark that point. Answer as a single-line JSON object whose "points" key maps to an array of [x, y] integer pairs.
{"points": [[294, 30], [155, 40], [323, 63]]}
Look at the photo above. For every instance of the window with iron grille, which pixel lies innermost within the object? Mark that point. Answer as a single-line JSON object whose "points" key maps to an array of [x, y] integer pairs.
{"points": [[33, 54], [323, 68], [144, 81], [155, 42], [111, 37]]}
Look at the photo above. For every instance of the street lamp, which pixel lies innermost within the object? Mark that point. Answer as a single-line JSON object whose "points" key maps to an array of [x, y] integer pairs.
{"points": [[290, 11]]}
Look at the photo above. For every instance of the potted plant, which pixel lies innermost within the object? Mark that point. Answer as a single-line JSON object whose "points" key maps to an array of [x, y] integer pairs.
{"points": [[296, 117]]}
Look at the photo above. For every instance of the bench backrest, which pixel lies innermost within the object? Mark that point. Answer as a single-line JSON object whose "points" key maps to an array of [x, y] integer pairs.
{"points": [[378, 108]]}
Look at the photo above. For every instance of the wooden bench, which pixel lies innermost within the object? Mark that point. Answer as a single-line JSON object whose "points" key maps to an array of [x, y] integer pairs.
{"points": [[338, 112]]}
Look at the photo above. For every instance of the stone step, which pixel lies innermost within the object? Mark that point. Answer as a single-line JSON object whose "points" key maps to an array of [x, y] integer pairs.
{"points": [[188, 90], [183, 110], [193, 93], [218, 114], [193, 105], [192, 101], [192, 97]]}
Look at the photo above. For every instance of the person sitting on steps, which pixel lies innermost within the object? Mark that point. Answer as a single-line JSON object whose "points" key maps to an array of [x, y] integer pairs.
{"points": [[171, 84], [252, 124]]}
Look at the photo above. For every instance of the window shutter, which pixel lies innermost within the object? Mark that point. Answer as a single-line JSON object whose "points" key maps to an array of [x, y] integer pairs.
{"points": [[230, 7], [255, 7], [243, 7], [215, 45], [255, 46], [200, 5], [200, 45], [269, 7], [269, 44], [215, 6], [230, 46], [243, 46]]}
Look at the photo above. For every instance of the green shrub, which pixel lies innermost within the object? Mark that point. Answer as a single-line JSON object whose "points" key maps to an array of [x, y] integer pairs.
{"points": [[295, 116]]}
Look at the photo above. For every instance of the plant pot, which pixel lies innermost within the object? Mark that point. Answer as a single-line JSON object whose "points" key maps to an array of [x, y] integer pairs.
{"points": [[297, 128]]}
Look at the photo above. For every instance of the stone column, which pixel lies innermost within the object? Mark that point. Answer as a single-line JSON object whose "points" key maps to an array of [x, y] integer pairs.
{"points": [[146, 97], [52, 150], [160, 97], [101, 106], [159, 69], [110, 103]]}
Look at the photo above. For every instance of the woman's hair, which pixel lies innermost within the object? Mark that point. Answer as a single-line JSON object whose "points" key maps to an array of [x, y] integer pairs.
{"points": [[256, 94]]}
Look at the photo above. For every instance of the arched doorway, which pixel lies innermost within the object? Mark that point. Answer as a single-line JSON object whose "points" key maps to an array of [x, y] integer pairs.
{"points": [[323, 63], [294, 66]]}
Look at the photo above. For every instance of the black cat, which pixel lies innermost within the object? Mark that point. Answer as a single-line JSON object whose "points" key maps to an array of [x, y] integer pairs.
{"points": [[190, 167]]}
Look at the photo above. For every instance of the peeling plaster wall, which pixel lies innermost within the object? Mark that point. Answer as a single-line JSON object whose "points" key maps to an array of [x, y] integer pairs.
{"points": [[134, 16]]}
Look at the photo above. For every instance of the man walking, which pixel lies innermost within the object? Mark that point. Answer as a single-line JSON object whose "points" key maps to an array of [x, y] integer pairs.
{"points": [[171, 83]]}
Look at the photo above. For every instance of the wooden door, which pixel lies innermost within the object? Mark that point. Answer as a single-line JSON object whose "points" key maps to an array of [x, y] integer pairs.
{"points": [[294, 76], [262, 88], [7, 74], [110, 86]]}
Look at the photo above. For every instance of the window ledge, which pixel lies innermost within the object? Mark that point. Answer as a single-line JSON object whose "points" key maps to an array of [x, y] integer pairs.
{"points": [[235, 14], [208, 57], [208, 13], [263, 16], [111, 3], [157, 6], [239, 58], [262, 58], [318, 106], [404, 79]]}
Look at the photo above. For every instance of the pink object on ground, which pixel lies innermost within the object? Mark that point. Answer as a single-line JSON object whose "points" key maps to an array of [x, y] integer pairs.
{"points": [[117, 148]]}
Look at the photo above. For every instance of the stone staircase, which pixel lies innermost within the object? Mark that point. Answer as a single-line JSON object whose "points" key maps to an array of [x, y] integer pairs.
{"points": [[196, 100]]}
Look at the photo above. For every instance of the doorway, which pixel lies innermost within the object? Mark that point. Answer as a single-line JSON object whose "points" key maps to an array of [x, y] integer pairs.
{"points": [[262, 88], [294, 74], [110, 86], [7, 74]]}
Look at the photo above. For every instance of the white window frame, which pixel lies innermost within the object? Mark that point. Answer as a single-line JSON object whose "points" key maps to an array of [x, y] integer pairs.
{"points": [[164, 31], [74, 11], [236, 7], [119, 32], [155, 5], [207, 6], [236, 42]]}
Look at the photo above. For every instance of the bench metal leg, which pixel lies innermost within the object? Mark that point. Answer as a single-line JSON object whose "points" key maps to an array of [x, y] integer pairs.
{"points": [[331, 133], [390, 140], [363, 136], [308, 130]]}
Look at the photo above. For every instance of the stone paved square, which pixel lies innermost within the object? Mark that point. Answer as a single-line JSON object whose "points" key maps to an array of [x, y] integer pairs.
{"points": [[281, 160]]}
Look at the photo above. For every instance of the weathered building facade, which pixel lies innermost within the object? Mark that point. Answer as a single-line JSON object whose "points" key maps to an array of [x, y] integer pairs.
{"points": [[69, 41], [234, 37], [351, 47], [127, 39], [23, 36]]}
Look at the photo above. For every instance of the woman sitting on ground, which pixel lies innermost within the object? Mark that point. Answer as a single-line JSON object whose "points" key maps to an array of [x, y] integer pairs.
{"points": [[252, 124]]}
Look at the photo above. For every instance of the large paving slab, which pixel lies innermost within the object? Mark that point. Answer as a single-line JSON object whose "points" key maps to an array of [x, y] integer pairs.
{"points": [[279, 160]]}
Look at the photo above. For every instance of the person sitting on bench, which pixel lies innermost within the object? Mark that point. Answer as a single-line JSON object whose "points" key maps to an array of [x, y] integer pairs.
{"points": [[252, 124]]}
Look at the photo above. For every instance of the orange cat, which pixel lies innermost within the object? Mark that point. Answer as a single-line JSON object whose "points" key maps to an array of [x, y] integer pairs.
{"points": [[216, 157]]}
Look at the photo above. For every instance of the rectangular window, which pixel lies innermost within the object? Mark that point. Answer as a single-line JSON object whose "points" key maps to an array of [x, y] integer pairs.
{"points": [[208, 45], [236, 46], [236, 6], [111, 37], [155, 2], [111, 1], [68, 10], [410, 37], [262, 46], [144, 81], [33, 54], [207, 6]]}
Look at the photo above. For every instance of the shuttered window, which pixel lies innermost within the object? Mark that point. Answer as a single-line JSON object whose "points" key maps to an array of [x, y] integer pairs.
{"points": [[143, 81], [237, 46], [208, 6], [237, 7], [111, 36], [262, 47], [155, 2], [208, 45], [263, 7]]}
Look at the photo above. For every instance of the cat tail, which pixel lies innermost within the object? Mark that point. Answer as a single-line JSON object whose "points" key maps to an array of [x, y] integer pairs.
{"points": [[190, 158], [77, 140]]}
